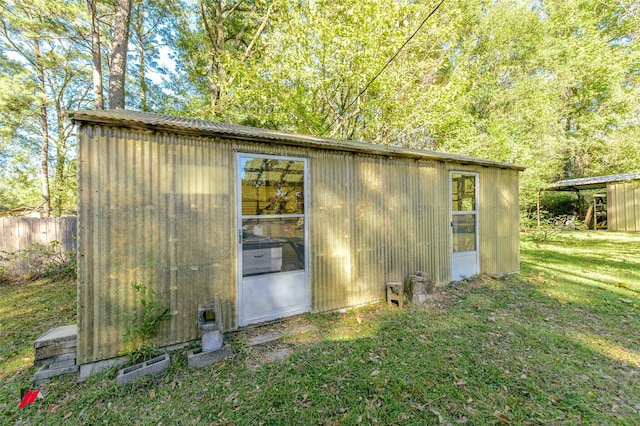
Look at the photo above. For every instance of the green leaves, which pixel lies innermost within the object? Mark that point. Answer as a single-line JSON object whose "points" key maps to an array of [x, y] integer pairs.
{"points": [[509, 81], [143, 322]]}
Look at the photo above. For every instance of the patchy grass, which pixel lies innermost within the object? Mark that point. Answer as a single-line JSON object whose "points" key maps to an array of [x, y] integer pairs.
{"points": [[559, 344], [27, 310]]}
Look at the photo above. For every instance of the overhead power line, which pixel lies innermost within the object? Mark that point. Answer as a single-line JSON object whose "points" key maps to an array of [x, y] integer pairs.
{"points": [[424, 21]]}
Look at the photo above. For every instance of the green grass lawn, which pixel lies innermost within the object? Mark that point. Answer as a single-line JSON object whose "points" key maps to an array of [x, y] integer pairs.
{"points": [[559, 344]]}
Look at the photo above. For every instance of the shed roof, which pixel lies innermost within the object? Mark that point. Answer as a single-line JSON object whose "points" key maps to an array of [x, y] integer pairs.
{"points": [[191, 126], [595, 182]]}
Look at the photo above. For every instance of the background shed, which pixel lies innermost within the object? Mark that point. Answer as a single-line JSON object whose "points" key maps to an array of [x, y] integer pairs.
{"points": [[622, 201], [159, 204]]}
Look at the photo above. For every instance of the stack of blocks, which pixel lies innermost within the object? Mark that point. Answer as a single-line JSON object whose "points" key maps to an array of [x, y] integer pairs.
{"points": [[210, 325], [55, 353]]}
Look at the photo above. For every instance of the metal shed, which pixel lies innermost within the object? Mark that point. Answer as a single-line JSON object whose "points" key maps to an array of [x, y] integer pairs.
{"points": [[622, 203], [275, 223]]}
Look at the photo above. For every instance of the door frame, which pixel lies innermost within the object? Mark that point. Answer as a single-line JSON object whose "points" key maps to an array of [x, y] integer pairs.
{"points": [[240, 217], [475, 212]]}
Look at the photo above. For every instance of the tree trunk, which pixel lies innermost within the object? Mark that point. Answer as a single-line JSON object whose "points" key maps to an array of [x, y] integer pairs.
{"points": [[143, 79], [214, 28], [44, 156], [96, 56], [119, 47]]}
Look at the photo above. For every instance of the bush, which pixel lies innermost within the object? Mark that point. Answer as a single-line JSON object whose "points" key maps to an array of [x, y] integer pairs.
{"points": [[142, 325], [41, 261]]}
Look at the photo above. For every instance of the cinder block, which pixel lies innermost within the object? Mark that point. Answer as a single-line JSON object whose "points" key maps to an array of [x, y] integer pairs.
{"points": [[54, 359], [45, 373], [155, 366], [212, 341], [197, 358], [210, 316], [395, 293], [98, 367], [51, 351], [62, 364]]}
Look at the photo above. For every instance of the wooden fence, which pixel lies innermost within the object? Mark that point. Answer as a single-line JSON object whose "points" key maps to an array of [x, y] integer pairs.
{"points": [[24, 239]]}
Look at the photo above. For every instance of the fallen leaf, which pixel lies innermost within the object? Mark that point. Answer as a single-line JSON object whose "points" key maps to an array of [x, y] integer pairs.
{"points": [[53, 408], [417, 406], [375, 373]]}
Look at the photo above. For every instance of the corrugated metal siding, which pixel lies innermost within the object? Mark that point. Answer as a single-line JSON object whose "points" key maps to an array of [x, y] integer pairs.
{"points": [[623, 206], [374, 220], [154, 209], [160, 209], [499, 218]]}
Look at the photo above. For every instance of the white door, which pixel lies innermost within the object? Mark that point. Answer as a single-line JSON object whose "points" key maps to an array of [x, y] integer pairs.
{"points": [[272, 238], [464, 225]]}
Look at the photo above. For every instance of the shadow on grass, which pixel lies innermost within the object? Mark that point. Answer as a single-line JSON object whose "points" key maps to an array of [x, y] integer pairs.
{"points": [[553, 346]]}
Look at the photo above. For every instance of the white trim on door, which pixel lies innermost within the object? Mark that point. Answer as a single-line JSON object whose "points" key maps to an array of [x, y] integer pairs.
{"points": [[464, 263], [269, 296]]}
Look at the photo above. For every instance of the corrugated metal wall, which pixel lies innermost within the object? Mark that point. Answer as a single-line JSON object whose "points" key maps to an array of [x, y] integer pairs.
{"points": [[499, 221], [161, 209], [623, 206], [155, 209]]}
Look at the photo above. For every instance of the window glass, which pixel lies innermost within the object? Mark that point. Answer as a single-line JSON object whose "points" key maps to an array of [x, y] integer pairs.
{"points": [[463, 192], [464, 232], [272, 186], [272, 245]]}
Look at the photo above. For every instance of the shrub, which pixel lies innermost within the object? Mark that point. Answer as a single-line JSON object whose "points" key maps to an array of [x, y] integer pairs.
{"points": [[40, 261], [142, 327]]}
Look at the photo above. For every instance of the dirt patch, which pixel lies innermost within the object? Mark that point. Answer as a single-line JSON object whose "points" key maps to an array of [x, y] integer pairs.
{"points": [[275, 342]]}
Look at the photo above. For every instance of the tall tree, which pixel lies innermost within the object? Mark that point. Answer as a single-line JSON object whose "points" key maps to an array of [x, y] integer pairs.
{"points": [[119, 51], [215, 44], [41, 38], [96, 54]]}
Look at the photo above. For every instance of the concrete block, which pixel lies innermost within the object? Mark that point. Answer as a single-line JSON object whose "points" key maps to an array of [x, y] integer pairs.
{"points": [[62, 364], [155, 366], [54, 359], [58, 349], [267, 337], [197, 358], [210, 316], [98, 367], [57, 335], [395, 293], [45, 373], [212, 340]]}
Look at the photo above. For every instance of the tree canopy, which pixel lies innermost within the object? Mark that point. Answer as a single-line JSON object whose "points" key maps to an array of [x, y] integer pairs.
{"points": [[553, 85]]}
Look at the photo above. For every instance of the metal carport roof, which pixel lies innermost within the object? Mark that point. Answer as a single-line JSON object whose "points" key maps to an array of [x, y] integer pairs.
{"points": [[595, 182]]}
